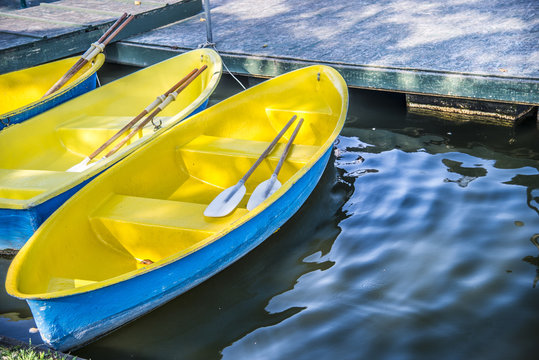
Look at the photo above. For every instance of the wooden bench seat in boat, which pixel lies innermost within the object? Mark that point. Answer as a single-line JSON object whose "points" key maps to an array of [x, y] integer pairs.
{"points": [[84, 134], [18, 184], [152, 229]]}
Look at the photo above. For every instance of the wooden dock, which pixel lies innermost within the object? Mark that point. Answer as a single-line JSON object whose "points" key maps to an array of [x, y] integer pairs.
{"points": [[61, 28], [450, 49], [483, 50]]}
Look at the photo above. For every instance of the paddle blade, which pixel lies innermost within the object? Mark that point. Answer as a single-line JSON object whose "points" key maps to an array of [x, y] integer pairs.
{"points": [[226, 201], [262, 192], [80, 167], [84, 165]]}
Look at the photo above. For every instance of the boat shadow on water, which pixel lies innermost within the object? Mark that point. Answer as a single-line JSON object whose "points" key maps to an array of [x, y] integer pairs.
{"points": [[227, 307]]}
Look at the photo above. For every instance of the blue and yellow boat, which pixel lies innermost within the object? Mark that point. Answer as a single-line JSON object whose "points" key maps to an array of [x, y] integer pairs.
{"points": [[35, 156], [136, 237], [22, 90]]}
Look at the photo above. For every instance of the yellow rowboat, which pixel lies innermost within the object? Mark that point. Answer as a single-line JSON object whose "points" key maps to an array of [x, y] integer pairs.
{"points": [[137, 236], [22, 90], [35, 155]]}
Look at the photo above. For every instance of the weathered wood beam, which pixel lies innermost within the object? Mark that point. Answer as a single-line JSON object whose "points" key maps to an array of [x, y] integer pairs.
{"points": [[421, 82]]}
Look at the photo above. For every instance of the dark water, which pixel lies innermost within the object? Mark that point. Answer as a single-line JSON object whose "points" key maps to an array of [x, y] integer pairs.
{"points": [[418, 243]]}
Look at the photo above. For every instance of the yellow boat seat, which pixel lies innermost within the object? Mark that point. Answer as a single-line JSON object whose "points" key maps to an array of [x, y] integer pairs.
{"points": [[20, 184], [221, 162], [85, 134], [152, 229], [60, 283]]}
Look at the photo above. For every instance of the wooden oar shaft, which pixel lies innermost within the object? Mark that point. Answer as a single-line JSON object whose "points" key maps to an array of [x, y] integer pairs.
{"points": [[102, 38], [268, 150], [83, 60], [287, 148], [111, 28], [140, 116], [171, 97], [182, 81], [118, 134], [120, 28]]}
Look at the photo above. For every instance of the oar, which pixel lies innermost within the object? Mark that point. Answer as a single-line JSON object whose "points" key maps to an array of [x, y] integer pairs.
{"points": [[83, 165], [228, 199], [268, 187], [101, 39], [92, 52], [170, 98]]}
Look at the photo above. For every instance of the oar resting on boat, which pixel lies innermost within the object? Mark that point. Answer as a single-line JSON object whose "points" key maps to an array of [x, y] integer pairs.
{"points": [[266, 188], [95, 49], [21, 90], [84, 164], [229, 199], [170, 98]]}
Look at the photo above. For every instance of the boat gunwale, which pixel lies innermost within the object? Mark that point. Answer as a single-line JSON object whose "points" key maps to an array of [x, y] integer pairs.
{"points": [[11, 283], [18, 204]]}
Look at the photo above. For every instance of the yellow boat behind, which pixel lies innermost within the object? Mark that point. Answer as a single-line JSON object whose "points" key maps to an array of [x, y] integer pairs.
{"points": [[35, 155], [22, 90]]}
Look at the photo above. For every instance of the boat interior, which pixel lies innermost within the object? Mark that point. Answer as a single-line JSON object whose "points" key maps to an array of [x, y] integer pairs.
{"points": [[37, 153], [149, 207]]}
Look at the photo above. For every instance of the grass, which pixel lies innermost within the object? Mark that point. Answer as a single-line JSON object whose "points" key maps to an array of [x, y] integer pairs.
{"points": [[30, 353]]}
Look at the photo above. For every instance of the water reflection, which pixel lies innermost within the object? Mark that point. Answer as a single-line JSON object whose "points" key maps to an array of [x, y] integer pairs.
{"points": [[468, 174], [531, 182], [15, 318], [534, 260]]}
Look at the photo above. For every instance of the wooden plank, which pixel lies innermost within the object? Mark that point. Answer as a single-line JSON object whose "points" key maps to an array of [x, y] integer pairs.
{"points": [[59, 14], [43, 19], [482, 50], [36, 28], [487, 112], [82, 9], [63, 41], [119, 6]]}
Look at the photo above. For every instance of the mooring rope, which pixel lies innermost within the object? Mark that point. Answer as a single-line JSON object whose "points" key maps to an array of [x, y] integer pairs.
{"points": [[209, 40], [212, 45]]}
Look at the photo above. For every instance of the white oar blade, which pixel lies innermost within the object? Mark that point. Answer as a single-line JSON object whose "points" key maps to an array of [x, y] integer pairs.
{"points": [[84, 164], [262, 192], [226, 201], [80, 167]]}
